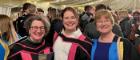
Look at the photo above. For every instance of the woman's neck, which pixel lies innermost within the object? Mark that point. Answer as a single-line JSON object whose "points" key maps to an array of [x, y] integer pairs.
{"points": [[35, 41], [106, 38], [68, 32]]}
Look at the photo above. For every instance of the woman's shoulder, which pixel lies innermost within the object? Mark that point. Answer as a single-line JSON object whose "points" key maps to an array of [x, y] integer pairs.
{"points": [[125, 40], [87, 39], [15, 44]]}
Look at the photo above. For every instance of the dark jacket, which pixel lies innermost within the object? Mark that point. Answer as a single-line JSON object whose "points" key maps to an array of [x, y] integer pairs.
{"points": [[85, 18], [130, 52], [56, 26], [19, 25], [125, 26], [34, 51]]}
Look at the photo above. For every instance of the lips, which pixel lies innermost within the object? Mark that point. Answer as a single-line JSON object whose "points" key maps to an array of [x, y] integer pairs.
{"points": [[70, 24], [104, 27], [38, 34]]}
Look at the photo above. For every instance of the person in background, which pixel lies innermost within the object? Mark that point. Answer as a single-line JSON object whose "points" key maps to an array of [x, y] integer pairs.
{"points": [[56, 23], [136, 30], [133, 26], [40, 11], [90, 29], [28, 10], [70, 42], [125, 24], [7, 35], [35, 46], [51, 13], [110, 46], [87, 16]]}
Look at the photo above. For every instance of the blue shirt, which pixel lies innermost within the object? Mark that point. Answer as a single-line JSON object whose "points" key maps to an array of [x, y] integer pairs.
{"points": [[102, 51], [2, 52]]}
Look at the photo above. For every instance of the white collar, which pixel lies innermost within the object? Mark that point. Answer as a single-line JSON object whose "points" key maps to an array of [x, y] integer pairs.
{"points": [[74, 34]]}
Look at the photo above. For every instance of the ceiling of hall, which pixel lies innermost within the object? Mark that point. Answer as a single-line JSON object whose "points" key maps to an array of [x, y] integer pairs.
{"points": [[53, 2], [114, 4]]}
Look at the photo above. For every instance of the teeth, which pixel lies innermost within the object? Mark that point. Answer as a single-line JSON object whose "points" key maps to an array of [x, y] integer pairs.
{"points": [[69, 24]]}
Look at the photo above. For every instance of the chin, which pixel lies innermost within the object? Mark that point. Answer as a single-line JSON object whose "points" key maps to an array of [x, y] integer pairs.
{"points": [[38, 38], [104, 32], [70, 28]]}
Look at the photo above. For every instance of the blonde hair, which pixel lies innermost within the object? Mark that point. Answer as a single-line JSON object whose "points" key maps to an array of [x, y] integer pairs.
{"points": [[6, 26], [105, 13]]}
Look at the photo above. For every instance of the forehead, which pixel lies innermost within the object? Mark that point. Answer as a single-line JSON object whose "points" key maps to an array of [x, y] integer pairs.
{"points": [[37, 23], [68, 13], [104, 17]]}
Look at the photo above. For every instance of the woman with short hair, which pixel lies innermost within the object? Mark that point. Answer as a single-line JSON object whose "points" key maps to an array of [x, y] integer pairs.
{"points": [[35, 46], [110, 46]]}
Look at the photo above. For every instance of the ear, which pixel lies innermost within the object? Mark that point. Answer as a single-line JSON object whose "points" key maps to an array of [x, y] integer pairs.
{"points": [[29, 32]]}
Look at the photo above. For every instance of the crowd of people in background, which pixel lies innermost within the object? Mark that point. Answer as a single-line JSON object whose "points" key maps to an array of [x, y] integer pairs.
{"points": [[98, 33]]}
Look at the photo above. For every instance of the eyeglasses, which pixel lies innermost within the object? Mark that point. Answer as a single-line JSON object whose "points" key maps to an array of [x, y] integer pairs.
{"points": [[36, 28], [100, 22]]}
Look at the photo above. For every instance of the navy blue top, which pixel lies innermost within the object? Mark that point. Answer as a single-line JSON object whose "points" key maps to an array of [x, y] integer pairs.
{"points": [[102, 51]]}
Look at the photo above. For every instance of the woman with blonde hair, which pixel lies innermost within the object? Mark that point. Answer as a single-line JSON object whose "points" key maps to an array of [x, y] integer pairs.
{"points": [[7, 35], [110, 46]]}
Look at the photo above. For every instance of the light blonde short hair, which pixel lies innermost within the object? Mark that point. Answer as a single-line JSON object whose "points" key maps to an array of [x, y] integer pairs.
{"points": [[105, 13]]}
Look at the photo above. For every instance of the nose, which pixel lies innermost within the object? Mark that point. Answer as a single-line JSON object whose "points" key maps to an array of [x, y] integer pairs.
{"points": [[103, 22], [38, 30], [70, 19]]}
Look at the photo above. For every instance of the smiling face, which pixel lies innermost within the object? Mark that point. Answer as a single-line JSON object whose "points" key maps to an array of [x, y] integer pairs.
{"points": [[104, 25], [37, 31], [104, 21], [70, 21]]}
